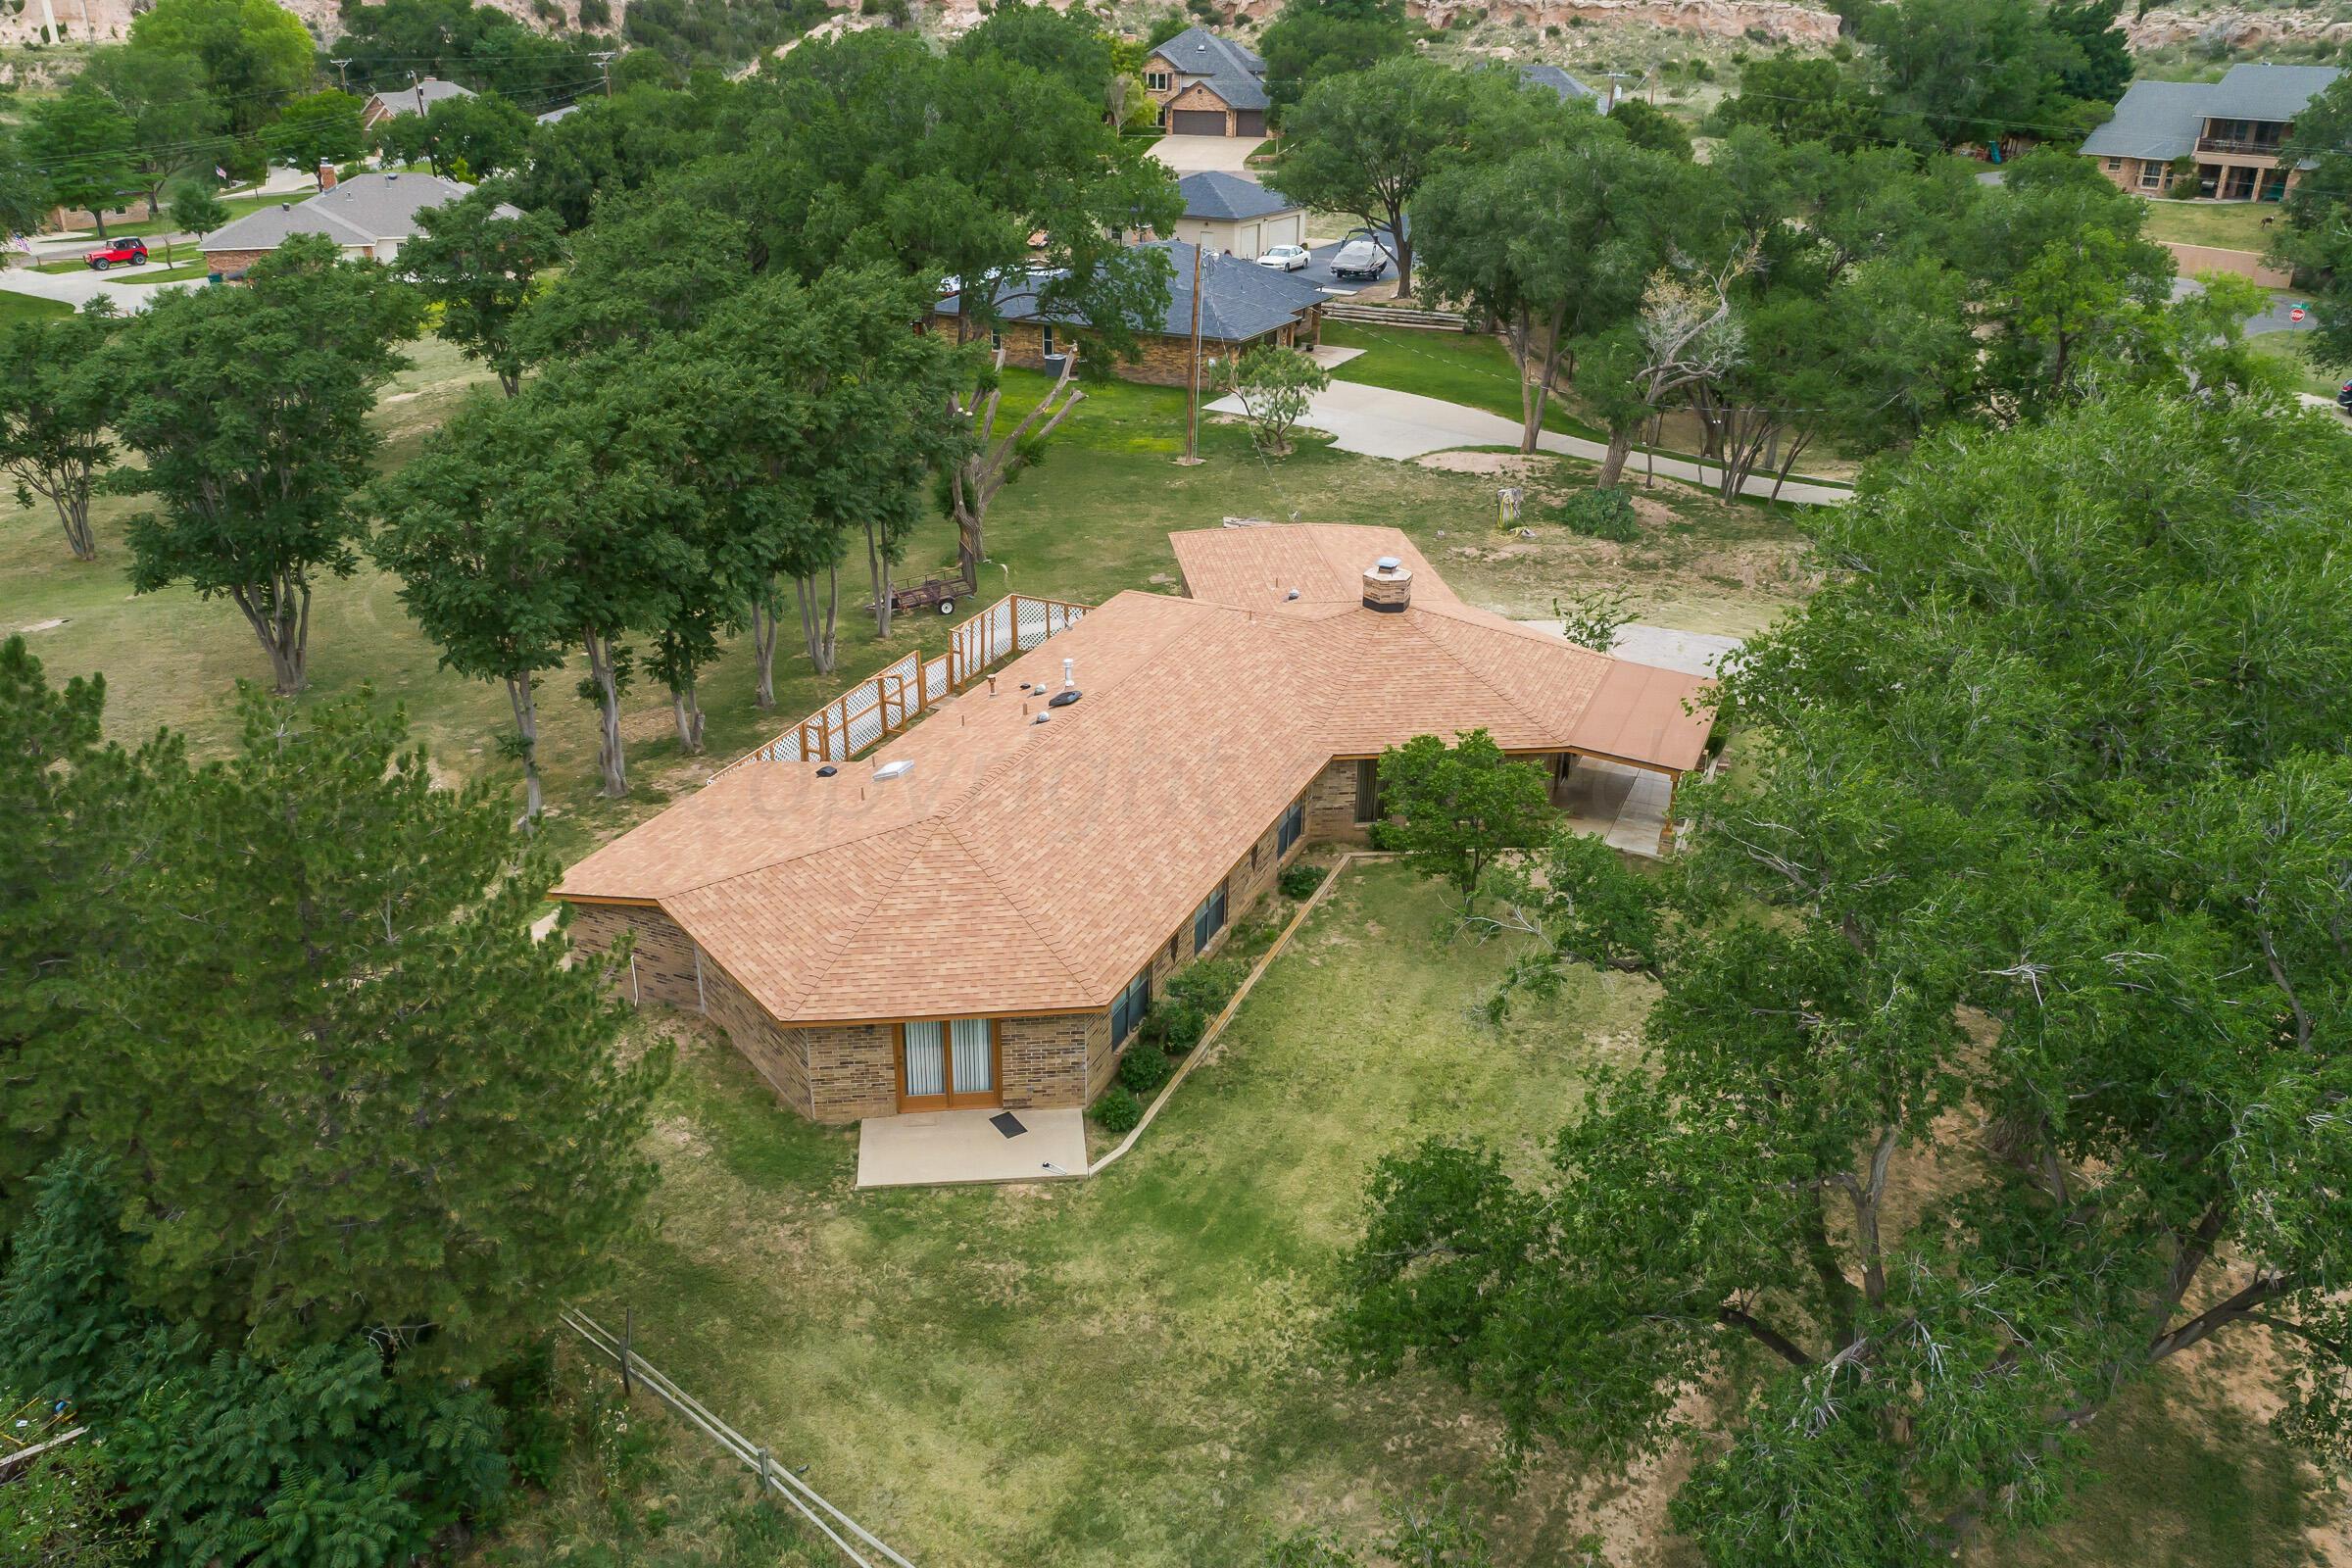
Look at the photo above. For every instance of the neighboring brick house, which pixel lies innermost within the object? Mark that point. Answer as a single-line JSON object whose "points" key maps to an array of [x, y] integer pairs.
{"points": [[415, 99], [1206, 85], [1237, 216], [2231, 130], [978, 914], [367, 214], [1242, 304]]}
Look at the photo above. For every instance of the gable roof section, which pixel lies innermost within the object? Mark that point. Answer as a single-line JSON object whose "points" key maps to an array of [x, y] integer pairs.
{"points": [[1231, 71], [1258, 568], [359, 211], [2253, 91], [1238, 300], [2162, 120], [1556, 79], [1215, 194], [1026, 868]]}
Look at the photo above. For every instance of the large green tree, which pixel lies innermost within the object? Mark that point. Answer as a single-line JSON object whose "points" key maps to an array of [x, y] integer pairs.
{"points": [[1311, 39], [1456, 811], [2000, 1013], [482, 265], [319, 127], [2316, 240], [1362, 143], [55, 404], [1557, 239], [256, 54], [174, 117], [250, 407], [82, 148], [345, 1089]]}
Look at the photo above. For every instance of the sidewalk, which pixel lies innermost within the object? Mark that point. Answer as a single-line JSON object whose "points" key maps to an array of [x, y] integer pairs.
{"points": [[1378, 422]]}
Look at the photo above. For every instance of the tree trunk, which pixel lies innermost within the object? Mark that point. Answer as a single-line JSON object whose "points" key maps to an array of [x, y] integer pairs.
{"points": [[75, 516], [527, 732], [284, 632], [832, 615], [763, 644], [816, 631], [1612, 462], [877, 564], [687, 709], [1403, 249], [610, 761]]}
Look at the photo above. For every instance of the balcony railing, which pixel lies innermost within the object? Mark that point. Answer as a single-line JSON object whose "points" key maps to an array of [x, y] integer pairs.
{"points": [[2238, 146], [891, 699]]}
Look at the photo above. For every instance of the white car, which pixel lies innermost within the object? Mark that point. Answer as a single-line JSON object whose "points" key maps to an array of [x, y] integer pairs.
{"points": [[1290, 257]]}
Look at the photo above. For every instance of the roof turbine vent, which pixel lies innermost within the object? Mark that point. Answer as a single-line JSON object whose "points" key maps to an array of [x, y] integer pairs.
{"points": [[1388, 586]]}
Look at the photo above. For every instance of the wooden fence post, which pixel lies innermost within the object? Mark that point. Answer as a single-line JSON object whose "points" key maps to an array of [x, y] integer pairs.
{"points": [[764, 1483]]}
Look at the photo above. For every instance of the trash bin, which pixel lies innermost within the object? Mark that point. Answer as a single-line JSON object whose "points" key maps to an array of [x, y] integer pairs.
{"points": [[1055, 364]]}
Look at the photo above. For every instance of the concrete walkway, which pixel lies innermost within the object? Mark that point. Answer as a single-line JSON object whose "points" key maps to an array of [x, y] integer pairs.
{"points": [[941, 1147], [1382, 424]]}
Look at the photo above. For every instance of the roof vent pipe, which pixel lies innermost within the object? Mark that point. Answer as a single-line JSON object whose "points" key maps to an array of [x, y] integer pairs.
{"points": [[1069, 672], [1388, 586]]}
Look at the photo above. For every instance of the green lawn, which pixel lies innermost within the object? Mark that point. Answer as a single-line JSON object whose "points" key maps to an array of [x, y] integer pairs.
{"points": [[1125, 1370], [15, 308], [2227, 225], [181, 274], [238, 206], [2287, 349]]}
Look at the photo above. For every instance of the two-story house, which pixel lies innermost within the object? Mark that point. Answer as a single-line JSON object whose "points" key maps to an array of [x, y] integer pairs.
{"points": [[1206, 85], [2233, 128]]}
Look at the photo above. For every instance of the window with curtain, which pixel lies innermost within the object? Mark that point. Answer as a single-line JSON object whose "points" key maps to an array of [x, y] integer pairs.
{"points": [[1128, 1011], [975, 1061], [926, 1058], [1293, 823]]}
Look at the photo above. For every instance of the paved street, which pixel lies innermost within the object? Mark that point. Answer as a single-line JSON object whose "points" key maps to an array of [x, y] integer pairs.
{"points": [[1383, 423], [77, 289]]}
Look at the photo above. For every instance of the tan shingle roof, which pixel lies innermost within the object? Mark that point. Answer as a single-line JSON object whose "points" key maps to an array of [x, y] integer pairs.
{"points": [[1023, 867]]}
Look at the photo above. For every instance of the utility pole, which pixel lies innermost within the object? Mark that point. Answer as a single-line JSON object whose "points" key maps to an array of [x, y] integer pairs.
{"points": [[1615, 92], [603, 63], [342, 73], [1192, 410]]}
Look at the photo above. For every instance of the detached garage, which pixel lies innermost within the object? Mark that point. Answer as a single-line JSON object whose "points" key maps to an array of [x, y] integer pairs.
{"points": [[1225, 213]]}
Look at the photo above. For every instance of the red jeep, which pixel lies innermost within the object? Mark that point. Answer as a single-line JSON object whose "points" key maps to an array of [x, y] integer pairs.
{"points": [[117, 253]]}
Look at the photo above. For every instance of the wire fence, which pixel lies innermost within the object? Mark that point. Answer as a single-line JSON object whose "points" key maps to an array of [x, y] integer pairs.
{"points": [[911, 686], [828, 1521]]}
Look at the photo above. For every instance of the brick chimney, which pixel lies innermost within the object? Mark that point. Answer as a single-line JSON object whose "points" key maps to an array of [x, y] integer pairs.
{"points": [[327, 176], [1388, 585]]}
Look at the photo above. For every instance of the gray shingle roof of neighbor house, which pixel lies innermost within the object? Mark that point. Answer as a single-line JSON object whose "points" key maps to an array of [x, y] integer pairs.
{"points": [[1234, 74], [1556, 79], [2163, 119], [360, 211], [1238, 300], [1214, 194], [430, 91], [554, 114]]}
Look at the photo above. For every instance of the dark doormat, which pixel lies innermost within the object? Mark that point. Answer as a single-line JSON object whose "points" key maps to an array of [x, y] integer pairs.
{"points": [[1006, 1122]]}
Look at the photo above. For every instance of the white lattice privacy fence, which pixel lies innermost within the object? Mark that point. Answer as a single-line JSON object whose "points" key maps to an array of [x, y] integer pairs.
{"points": [[897, 695]]}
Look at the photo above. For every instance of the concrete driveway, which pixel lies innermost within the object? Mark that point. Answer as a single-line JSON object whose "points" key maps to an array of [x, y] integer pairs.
{"points": [[1189, 155], [1378, 422], [77, 289]]}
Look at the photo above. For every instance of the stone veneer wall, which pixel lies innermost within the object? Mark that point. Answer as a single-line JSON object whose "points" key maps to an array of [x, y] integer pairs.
{"points": [[852, 1070], [1331, 804], [663, 964], [780, 1054], [1052, 1060]]}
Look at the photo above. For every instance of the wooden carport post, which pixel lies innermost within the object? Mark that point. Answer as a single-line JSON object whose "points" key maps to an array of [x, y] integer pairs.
{"points": [[1673, 782]]}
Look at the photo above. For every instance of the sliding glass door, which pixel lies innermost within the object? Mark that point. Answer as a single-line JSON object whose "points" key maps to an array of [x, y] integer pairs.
{"points": [[948, 1064]]}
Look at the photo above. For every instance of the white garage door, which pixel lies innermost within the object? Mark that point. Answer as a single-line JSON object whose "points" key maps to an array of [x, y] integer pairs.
{"points": [[1285, 229], [1244, 242]]}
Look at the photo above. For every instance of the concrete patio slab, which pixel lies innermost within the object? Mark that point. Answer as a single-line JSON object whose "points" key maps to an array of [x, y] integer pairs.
{"points": [[1623, 807], [1331, 357], [1688, 652], [944, 1148]]}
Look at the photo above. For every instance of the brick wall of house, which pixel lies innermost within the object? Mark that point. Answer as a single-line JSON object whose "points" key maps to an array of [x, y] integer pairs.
{"points": [[663, 963], [1051, 1061], [852, 1070], [780, 1054], [1197, 97], [229, 262], [1331, 806]]}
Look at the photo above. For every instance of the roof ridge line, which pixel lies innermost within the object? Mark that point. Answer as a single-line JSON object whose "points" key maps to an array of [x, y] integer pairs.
{"points": [[1501, 696], [989, 871], [850, 933], [786, 860]]}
